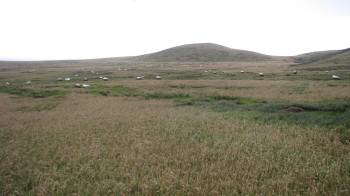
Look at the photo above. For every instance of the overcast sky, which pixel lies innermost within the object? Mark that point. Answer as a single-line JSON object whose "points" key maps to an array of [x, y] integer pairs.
{"points": [[73, 29]]}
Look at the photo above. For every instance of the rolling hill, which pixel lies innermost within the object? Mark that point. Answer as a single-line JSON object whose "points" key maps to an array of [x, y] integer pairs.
{"points": [[314, 56], [202, 52], [206, 52], [332, 59]]}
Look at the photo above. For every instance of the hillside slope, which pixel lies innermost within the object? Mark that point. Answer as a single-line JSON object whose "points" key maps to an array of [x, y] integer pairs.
{"points": [[333, 59], [202, 52], [341, 58], [314, 56]]}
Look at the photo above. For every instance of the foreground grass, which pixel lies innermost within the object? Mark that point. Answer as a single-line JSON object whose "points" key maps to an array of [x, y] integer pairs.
{"points": [[201, 133], [335, 113], [95, 145]]}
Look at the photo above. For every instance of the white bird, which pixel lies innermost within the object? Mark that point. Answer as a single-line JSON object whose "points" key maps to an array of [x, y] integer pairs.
{"points": [[7, 83], [334, 77], [105, 78], [295, 72], [139, 78], [261, 74], [77, 85], [85, 85], [242, 71], [158, 77], [28, 82], [67, 79]]}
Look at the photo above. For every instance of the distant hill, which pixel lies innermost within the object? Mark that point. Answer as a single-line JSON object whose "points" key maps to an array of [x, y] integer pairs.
{"points": [[314, 56], [202, 52], [332, 59], [205, 52]]}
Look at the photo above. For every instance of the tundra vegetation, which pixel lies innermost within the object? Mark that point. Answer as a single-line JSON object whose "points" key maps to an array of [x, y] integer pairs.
{"points": [[195, 132]]}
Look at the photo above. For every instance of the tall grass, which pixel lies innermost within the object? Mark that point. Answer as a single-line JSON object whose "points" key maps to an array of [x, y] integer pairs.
{"points": [[212, 134], [150, 147]]}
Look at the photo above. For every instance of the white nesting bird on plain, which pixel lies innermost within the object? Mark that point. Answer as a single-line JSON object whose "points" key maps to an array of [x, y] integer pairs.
{"points": [[335, 77]]}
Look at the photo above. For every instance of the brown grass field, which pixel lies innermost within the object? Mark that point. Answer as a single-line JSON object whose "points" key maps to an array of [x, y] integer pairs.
{"points": [[202, 130]]}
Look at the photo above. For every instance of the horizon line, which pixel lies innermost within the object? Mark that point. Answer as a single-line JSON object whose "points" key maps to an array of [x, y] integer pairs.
{"points": [[110, 57]]}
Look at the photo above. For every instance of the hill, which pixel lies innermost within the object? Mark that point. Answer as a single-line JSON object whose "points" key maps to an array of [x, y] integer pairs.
{"points": [[202, 52], [314, 56], [332, 59]]}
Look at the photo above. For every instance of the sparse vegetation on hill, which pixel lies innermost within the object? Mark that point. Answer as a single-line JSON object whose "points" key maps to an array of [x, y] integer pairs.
{"points": [[325, 60], [198, 53], [204, 52], [314, 56]]}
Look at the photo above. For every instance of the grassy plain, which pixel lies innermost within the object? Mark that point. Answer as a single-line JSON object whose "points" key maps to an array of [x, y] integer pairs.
{"points": [[204, 129]]}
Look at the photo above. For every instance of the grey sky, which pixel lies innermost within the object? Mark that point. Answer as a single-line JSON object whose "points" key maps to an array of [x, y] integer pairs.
{"points": [[73, 29]]}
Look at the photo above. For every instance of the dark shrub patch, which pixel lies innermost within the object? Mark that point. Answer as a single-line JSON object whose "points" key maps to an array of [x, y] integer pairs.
{"points": [[114, 91], [237, 100], [24, 92], [293, 109], [160, 95]]}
